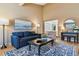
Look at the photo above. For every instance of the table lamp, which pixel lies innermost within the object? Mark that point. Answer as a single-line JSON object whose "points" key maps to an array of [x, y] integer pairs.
{"points": [[38, 25]]}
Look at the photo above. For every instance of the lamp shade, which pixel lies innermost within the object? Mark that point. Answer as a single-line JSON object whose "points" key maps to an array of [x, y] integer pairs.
{"points": [[38, 25], [4, 21]]}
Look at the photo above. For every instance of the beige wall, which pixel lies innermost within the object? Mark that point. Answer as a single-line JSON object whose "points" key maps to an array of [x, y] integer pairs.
{"points": [[13, 10], [61, 12], [28, 11]]}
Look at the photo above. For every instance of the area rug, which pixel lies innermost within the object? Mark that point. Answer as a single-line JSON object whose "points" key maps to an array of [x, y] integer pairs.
{"points": [[55, 50]]}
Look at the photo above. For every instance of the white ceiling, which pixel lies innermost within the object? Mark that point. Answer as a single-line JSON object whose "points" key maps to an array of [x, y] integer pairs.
{"points": [[40, 3]]}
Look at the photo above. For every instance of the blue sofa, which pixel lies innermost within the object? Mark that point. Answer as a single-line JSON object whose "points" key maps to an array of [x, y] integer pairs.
{"points": [[20, 39]]}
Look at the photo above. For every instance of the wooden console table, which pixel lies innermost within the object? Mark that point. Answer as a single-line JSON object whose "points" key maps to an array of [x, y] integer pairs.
{"points": [[70, 35]]}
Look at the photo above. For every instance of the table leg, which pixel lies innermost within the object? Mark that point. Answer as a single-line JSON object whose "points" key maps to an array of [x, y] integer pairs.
{"points": [[52, 42], [29, 47], [67, 39], [70, 39], [39, 50], [77, 38]]}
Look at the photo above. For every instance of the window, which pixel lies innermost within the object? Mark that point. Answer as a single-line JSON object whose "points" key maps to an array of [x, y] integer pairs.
{"points": [[70, 24]]}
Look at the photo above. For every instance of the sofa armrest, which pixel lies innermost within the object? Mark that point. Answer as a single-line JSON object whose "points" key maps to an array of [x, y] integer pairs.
{"points": [[39, 35], [15, 40]]}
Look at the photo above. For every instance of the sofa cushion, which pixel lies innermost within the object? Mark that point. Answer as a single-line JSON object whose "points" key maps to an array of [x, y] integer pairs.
{"points": [[28, 34], [20, 34], [28, 38]]}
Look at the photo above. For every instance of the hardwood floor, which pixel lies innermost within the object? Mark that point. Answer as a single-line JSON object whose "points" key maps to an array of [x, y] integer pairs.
{"points": [[2, 51], [75, 45]]}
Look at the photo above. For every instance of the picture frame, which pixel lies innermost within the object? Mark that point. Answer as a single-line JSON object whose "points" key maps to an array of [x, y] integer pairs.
{"points": [[22, 24]]}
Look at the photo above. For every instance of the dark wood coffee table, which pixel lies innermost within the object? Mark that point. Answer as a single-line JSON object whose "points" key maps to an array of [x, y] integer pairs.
{"points": [[40, 44]]}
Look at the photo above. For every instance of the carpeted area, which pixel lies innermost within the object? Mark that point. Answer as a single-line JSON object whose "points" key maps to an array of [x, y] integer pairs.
{"points": [[55, 50]]}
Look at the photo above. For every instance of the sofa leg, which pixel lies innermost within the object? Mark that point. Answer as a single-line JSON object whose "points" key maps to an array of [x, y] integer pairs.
{"points": [[29, 47]]}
